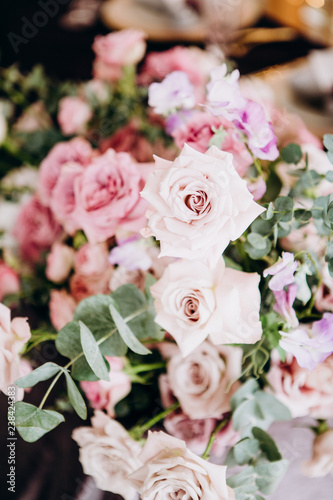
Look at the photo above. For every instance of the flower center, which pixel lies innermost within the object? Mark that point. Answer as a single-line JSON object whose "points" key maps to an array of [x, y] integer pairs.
{"points": [[177, 495], [191, 308], [198, 203]]}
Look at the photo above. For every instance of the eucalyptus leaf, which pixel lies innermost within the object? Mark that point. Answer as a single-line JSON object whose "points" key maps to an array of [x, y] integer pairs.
{"points": [[92, 352], [330, 156], [267, 444], [245, 450], [95, 314], [269, 475], [328, 142], [75, 397], [126, 333], [258, 253], [32, 423], [329, 174], [257, 241], [40, 374], [244, 392], [291, 153]]}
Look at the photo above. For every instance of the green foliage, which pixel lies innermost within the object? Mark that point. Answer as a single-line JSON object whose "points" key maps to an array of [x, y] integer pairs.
{"points": [[92, 353], [291, 153], [253, 407], [40, 374], [75, 397], [32, 423], [328, 143]]}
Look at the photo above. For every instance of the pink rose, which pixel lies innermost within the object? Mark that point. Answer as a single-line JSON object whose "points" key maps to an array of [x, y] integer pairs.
{"points": [[196, 433], [35, 230], [322, 459], [193, 302], [160, 64], [91, 259], [63, 203], [203, 381], [105, 395], [170, 470], [304, 392], [108, 196], [73, 115], [82, 286], [9, 281], [62, 307], [108, 454], [199, 131], [76, 150], [198, 203], [116, 50], [324, 294], [59, 262], [13, 336]]}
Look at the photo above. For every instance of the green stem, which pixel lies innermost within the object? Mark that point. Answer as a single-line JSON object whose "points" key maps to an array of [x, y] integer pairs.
{"points": [[212, 438], [144, 368], [78, 356], [138, 431]]}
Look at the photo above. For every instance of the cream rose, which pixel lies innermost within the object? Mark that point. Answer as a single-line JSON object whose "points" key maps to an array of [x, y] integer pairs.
{"points": [[198, 203], [322, 458], [304, 392], [13, 335], [193, 302], [171, 471], [204, 381], [108, 454]]}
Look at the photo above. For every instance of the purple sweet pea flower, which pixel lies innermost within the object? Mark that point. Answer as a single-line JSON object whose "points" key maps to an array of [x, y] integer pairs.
{"points": [[174, 92], [224, 95], [282, 272], [176, 120], [130, 254], [261, 138], [312, 345], [284, 304]]}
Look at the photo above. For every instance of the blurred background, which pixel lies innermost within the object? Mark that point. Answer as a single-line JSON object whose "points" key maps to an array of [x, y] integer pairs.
{"points": [[59, 33]]}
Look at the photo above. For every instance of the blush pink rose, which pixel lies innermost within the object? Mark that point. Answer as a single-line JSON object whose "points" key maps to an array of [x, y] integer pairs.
{"points": [[324, 294], [196, 433], [198, 204], [91, 259], [105, 395], [76, 150], [82, 286], [59, 262], [9, 281], [62, 307], [108, 196], [35, 229], [193, 302], [116, 50], [73, 115], [199, 131], [108, 454], [63, 203], [170, 470], [204, 381], [321, 463], [304, 392], [13, 336]]}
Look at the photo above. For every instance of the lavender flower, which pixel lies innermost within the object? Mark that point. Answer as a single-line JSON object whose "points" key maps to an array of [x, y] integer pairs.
{"points": [[174, 92], [282, 272]]}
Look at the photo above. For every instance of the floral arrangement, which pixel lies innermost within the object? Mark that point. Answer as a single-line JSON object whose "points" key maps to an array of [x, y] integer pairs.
{"points": [[198, 280]]}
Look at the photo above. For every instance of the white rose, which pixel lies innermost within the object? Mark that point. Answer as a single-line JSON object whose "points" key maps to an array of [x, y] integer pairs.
{"points": [[193, 302], [198, 203], [322, 458], [171, 471], [108, 454], [204, 381]]}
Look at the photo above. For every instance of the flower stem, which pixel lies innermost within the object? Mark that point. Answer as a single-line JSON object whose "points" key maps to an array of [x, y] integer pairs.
{"points": [[138, 431], [221, 425]]}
